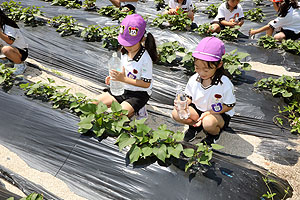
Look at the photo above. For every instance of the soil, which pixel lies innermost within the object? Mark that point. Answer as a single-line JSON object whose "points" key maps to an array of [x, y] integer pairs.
{"points": [[11, 161]]}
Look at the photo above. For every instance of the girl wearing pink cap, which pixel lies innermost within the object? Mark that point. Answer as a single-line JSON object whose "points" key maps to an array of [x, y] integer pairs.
{"points": [[209, 91], [288, 21], [138, 54]]}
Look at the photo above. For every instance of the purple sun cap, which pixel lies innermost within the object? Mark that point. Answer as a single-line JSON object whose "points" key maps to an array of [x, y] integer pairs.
{"points": [[209, 49], [132, 29]]}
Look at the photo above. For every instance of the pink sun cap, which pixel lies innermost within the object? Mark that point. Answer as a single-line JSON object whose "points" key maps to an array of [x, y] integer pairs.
{"points": [[209, 49], [132, 29]]}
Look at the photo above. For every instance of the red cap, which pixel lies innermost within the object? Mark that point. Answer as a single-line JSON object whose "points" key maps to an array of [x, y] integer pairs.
{"points": [[277, 1]]}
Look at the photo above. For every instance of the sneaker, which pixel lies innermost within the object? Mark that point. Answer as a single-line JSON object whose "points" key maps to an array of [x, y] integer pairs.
{"points": [[20, 68], [189, 135], [142, 113], [210, 139]]}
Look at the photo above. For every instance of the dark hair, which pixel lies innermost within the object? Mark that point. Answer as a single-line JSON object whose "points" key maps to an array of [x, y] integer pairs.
{"points": [[150, 46], [5, 20], [219, 73], [129, 6], [285, 6]]}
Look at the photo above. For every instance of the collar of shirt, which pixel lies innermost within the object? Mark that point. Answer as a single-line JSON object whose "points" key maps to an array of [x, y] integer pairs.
{"points": [[138, 55], [227, 6]]}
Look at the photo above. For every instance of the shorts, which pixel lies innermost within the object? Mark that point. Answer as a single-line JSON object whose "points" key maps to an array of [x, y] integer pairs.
{"points": [[24, 53], [290, 34], [137, 99], [219, 23], [225, 117]]}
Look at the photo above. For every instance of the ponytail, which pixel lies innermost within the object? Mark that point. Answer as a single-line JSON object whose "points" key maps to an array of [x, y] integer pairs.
{"points": [[150, 46], [285, 6], [4, 20]]}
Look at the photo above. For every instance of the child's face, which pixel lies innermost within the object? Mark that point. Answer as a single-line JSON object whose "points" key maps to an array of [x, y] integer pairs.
{"points": [[233, 3], [179, 1], [133, 48], [204, 71]]}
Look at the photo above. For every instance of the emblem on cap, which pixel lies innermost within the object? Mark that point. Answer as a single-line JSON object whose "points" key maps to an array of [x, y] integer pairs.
{"points": [[133, 31], [122, 27]]}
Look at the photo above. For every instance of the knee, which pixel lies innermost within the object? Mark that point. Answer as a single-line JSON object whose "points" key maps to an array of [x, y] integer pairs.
{"points": [[5, 50], [209, 123], [279, 36]]}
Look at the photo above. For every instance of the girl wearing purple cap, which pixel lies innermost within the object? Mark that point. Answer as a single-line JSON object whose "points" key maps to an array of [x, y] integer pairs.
{"points": [[288, 21], [138, 54], [210, 93], [12, 43]]}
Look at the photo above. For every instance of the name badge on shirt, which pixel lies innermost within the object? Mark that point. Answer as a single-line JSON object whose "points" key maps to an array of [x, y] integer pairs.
{"points": [[217, 107]]}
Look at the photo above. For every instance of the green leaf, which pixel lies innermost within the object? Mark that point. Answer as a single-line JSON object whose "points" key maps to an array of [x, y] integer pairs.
{"points": [[175, 151], [187, 166], [86, 122], [116, 107], [125, 140], [143, 128], [171, 58], [147, 151], [178, 136], [287, 94], [101, 108], [161, 134], [134, 153], [188, 152], [217, 146], [242, 55], [88, 108], [160, 152]]}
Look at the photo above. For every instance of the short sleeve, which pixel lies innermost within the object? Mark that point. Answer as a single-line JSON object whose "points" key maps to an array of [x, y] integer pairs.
{"points": [[278, 22], [241, 13], [221, 12], [229, 96], [189, 87], [10, 31], [190, 5], [147, 70], [172, 4]]}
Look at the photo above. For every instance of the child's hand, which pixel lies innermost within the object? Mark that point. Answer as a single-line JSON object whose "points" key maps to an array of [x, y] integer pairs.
{"points": [[252, 32], [172, 11], [116, 75], [107, 80], [199, 121]]}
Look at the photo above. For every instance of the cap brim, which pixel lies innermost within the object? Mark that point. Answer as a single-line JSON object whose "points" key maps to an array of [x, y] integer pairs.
{"points": [[126, 43], [205, 57]]}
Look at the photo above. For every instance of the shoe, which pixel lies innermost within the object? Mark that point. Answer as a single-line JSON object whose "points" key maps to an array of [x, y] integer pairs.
{"points": [[142, 113], [210, 139], [189, 135], [20, 68]]}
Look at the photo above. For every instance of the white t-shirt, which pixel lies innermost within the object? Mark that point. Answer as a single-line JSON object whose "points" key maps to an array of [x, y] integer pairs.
{"points": [[140, 68], [290, 22], [15, 34], [225, 14], [212, 97], [128, 2], [187, 5]]}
